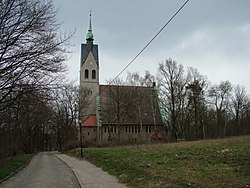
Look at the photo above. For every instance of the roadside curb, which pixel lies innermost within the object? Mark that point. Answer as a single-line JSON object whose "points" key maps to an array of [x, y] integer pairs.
{"points": [[87, 174], [56, 155]]}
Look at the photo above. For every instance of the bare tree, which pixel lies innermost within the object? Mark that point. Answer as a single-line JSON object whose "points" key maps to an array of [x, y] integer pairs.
{"points": [[148, 80], [31, 49], [220, 95], [134, 79], [240, 102], [69, 103], [119, 104], [196, 101], [24, 124], [172, 82]]}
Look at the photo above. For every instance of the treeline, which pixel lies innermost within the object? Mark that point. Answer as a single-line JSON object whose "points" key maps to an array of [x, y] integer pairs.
{"points": [[37, 107], [195, 108], [39, 121]]}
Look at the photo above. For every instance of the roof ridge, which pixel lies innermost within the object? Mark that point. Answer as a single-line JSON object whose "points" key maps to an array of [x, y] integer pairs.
{"points": [[125, 86]]}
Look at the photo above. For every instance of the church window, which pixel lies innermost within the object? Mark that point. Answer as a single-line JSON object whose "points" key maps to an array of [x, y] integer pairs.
{"points": [[93, 74], [148, 129], [86, 74]]}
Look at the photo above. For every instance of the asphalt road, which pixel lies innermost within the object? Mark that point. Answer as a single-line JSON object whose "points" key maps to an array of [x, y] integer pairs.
{"points": [[45, 170]]}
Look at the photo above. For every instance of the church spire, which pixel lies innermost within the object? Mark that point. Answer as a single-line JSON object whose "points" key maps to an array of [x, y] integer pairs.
{"points": [[90, 36]]}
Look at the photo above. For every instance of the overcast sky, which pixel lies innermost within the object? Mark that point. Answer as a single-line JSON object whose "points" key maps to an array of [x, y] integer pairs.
{"points": [[210, 35]]}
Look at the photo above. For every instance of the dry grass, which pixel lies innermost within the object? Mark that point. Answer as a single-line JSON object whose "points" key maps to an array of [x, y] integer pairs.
{"points": [[186, 144], [210, 163]]}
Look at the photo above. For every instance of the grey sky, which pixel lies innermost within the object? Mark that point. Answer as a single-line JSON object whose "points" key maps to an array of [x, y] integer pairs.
{"points": [[210, 35]]}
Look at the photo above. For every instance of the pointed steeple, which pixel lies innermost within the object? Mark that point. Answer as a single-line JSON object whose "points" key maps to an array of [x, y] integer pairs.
{"points": [[90, 36]]}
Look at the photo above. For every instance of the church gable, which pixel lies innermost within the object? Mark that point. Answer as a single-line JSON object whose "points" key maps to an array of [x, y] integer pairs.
{"points": [[90, 61]]}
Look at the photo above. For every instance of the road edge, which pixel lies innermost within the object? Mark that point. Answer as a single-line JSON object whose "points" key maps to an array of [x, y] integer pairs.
{"points": [[19, 169], [69, 168]]}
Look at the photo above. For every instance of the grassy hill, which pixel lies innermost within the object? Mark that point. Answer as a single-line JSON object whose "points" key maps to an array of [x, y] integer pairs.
{"points": [[212, 163]]}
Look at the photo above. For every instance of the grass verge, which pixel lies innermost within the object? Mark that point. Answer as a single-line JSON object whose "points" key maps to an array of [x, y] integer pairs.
{"points": [[213, 163], [10, 165]]}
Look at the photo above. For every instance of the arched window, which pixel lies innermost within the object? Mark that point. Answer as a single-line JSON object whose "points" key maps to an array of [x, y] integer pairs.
{"points": [[93, 74], [86, 73]]}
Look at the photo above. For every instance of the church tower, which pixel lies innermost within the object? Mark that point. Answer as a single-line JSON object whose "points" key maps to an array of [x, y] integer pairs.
{"points": [[89, 71]]}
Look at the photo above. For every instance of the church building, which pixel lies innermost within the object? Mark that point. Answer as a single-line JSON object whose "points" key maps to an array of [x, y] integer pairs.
{"points": [[115, 114]]}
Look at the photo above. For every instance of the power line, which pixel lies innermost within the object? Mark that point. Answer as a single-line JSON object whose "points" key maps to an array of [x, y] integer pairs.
{"points": [[150, 41]]}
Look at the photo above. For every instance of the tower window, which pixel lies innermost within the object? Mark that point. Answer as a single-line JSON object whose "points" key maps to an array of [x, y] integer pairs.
{"points": [[93, 74], [86, 73]]}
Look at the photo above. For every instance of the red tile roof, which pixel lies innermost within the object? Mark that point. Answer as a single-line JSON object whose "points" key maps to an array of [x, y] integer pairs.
{"points": [[91, 121]]}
